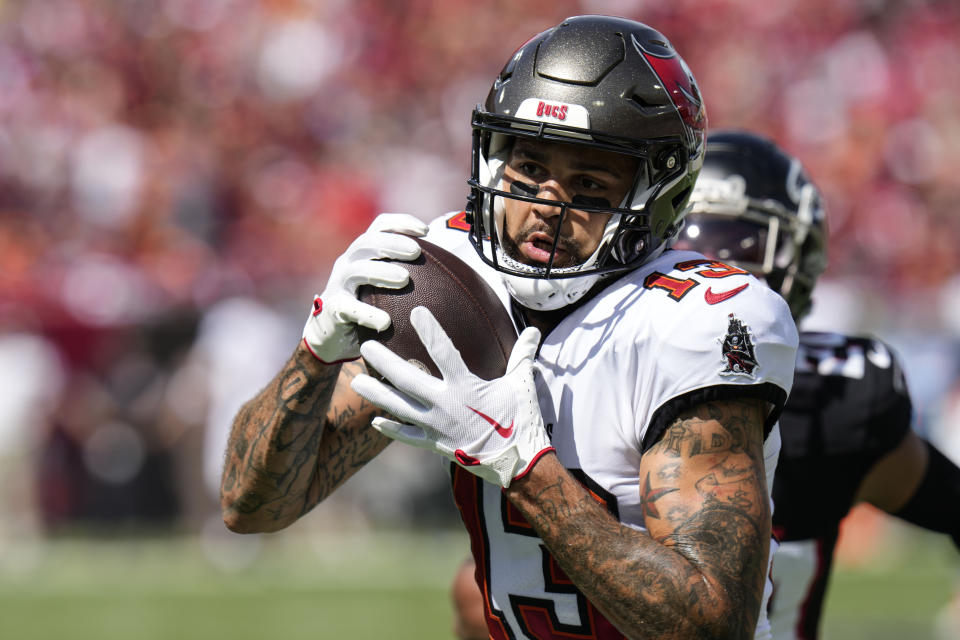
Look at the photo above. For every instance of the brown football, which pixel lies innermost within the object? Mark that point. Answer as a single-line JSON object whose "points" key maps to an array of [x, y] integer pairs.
{"points": [[464, 305]]}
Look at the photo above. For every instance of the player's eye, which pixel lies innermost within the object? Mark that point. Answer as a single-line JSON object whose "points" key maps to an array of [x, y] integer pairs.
{"points": [[589, 184], [530, 169]]}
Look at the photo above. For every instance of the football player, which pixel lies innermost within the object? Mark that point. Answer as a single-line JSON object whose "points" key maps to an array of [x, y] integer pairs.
{"points": [[846, 428], [615, 481]]}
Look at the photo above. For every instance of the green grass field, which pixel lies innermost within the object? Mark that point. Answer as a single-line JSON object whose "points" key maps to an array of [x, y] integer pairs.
{"points": [[897, 594], [352, 586], [302, 584]]}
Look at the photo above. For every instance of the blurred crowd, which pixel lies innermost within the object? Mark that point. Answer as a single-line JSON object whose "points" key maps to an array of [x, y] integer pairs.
{"points": [[177, 176]]}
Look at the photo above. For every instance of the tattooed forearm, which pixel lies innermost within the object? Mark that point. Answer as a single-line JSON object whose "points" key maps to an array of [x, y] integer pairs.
{"points": [[274, 438], [723, 543], [700, 572], [348, 444], [638, 585], [289, 443]]}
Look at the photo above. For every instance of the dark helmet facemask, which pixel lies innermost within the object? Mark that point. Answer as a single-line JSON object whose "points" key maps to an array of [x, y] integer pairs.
{"points": [[554, 284], [609, 84], [627, 234]]}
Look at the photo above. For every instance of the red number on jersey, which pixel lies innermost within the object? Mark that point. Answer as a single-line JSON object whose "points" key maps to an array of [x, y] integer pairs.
{"points": [[676, 288], [711, 268]]}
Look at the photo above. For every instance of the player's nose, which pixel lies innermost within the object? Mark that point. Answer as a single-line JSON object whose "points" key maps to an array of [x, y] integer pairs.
{"points": [[550, 190]]}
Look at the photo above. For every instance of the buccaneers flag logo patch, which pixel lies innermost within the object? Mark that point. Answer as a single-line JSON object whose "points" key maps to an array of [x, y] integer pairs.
{"points": [[736, 348]]}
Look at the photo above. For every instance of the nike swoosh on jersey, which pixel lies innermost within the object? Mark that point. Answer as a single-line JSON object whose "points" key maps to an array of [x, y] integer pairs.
{"points": [[716, 298], [503, 433]]}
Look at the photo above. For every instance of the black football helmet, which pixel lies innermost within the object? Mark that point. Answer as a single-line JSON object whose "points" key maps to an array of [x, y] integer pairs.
{"points": [[755, 207], [602, 82]]}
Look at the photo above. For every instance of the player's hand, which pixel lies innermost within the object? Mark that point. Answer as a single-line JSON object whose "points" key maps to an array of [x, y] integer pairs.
{"points": [[331, 329], [492, 428]]}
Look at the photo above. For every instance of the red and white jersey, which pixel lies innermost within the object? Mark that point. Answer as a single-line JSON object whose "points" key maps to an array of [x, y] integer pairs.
{"points": [[674, 333]]}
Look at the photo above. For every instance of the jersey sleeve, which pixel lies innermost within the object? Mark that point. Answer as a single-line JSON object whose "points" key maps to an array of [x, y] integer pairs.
{"points": [[741, 347], [449, 230]]}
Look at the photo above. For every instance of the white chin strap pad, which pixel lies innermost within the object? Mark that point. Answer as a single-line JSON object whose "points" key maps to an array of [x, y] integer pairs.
{"points": [[546, 295]]}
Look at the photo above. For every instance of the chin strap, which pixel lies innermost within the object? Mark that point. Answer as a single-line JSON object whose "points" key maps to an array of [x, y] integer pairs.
{"points": [[936, 503]]}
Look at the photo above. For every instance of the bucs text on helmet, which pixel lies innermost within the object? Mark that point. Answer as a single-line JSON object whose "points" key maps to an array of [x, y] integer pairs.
{"points": [[603, 82], [755, 207]]}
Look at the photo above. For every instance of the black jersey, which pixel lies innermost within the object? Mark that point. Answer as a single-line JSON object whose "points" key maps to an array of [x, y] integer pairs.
{"points": [[848, 408]]}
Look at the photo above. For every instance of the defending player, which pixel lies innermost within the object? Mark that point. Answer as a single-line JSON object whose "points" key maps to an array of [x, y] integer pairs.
{"points": [[846, 428], [615, 481]]}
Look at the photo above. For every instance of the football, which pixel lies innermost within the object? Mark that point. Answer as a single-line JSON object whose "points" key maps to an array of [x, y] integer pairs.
{"points": [[464, 305]]}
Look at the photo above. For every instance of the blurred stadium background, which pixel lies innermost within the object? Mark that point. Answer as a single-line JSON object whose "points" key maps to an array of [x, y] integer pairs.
{"points": [[176, 178]]}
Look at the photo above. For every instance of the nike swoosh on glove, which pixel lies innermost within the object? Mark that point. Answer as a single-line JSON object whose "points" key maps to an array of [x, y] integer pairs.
{"points": [[331, 329], [492, 428]]}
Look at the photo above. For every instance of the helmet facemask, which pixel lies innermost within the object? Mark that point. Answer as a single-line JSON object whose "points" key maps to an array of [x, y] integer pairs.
{"points": [[608, 84], [624, 244]]}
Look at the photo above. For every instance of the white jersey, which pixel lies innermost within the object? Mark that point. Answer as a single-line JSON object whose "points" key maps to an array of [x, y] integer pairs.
{"points": [[676, 332]]}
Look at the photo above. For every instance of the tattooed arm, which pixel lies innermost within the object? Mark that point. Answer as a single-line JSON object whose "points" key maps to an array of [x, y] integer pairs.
{"points": [[701, 570], [307, 431], [294, 443]]}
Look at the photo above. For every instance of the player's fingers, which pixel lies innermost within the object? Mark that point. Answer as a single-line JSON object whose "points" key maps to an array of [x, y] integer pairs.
{"points": [[376, 273], [353, 311], [407, 433], [401, 374], [525, 348], [399, 223], [415, 386], [378, 244], [387, 398], [438, 343]]}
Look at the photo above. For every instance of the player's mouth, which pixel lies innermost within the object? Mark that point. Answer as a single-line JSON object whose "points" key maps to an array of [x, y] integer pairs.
{"points": [[538, 246]]}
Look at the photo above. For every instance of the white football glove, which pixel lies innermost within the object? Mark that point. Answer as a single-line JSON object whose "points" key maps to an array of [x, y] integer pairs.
{"points": [[331, 329], [492, 428]]}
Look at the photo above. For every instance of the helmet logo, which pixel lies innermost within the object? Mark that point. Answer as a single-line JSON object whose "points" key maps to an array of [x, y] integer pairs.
{"points": [[795, 181], [558, 111], [680, 85], [573, 115], [737, 350], [731, 191]]}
